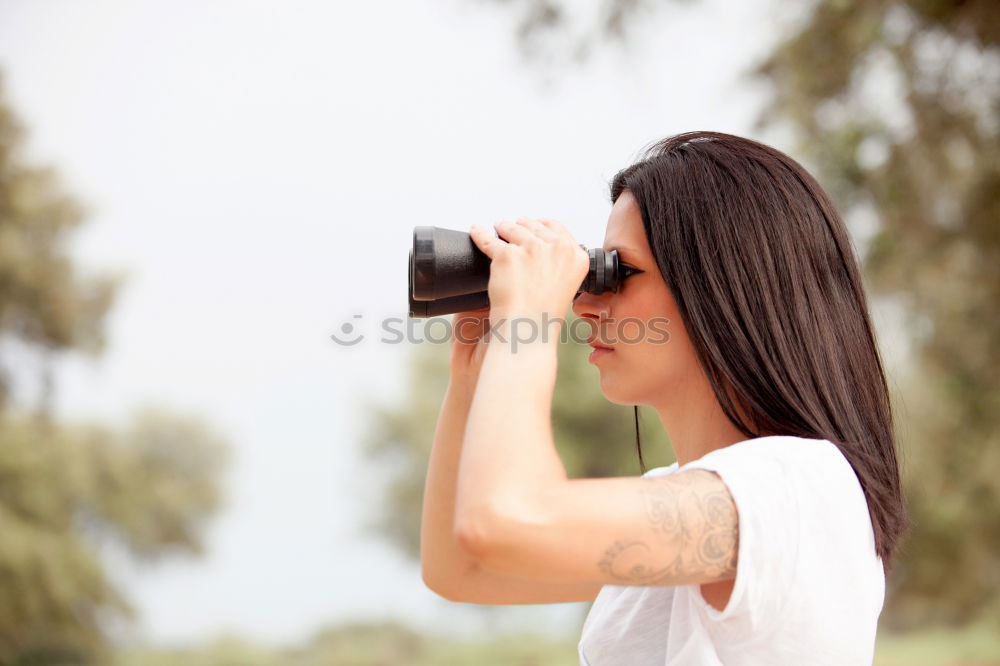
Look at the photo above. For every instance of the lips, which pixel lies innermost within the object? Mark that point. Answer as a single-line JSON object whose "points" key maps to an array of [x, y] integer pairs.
{"points": [[592, 341]]}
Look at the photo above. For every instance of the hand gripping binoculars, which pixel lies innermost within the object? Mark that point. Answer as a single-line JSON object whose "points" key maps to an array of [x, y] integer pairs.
{"points": [[449, 274]]}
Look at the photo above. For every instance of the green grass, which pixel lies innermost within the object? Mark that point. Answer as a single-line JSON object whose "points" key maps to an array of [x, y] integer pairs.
{"points": [[393, 645], [977, 645]]}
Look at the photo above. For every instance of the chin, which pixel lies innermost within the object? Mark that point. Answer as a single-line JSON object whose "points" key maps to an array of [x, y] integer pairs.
{"points": [[618, 394]]}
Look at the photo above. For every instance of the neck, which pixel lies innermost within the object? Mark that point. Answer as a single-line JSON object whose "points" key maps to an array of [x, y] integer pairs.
{"points": [[696, 423]]}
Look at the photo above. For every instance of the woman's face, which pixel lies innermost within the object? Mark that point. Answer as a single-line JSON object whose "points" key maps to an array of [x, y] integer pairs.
{"points": [[652, 361]]}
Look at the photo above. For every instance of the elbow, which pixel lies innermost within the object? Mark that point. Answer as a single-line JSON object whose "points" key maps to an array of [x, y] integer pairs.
{"points": [[481, 535], [497, 535], [458, 584], [448, 583], [455, 581], [436, 585]]}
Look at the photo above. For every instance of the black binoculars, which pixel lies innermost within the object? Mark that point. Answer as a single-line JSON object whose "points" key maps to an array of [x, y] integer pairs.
{"points": [[449, 274]]}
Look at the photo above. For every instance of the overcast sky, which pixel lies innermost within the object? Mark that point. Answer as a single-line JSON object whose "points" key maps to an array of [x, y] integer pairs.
{"points": [[256, 169]]}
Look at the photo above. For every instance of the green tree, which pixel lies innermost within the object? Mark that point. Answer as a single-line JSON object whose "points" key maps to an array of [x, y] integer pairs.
{"points": [[594, 437], [932, 177], [69, 491], [893, 104], [45, 304]]}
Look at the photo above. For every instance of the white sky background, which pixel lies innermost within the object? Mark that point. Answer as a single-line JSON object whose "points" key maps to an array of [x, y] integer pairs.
{"points": [[257, 169]]}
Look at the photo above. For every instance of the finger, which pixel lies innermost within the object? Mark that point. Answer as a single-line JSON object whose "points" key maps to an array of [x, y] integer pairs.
{"points": [[485, 241], [469, 326], [538, 228], [516, 234], [556, 227], [559, 230], [478, 313], [476, 316]]}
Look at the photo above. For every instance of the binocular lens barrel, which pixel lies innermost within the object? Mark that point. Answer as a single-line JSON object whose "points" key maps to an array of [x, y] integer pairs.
{"points": [[448, 273]]}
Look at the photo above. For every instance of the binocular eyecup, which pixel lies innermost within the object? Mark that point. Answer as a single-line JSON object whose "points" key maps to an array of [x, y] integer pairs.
{"points": [[449, 274]]}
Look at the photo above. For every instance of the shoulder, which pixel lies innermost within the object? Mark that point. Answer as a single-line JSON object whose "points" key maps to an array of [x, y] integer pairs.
{"points": [[788, 453], [805, 466], [660, 471], [776, 473], [801, 480], [819, 464], [786, 446]]}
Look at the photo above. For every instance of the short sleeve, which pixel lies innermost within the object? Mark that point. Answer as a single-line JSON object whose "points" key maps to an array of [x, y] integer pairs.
{"points": [[762, 477]]}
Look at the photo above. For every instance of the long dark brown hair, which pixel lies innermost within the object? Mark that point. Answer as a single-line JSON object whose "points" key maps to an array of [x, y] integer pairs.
{"points": [[768, 286]]}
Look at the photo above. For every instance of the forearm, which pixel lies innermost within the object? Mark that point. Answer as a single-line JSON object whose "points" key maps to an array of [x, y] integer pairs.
{"points": [[442, 559], [509, 455]]}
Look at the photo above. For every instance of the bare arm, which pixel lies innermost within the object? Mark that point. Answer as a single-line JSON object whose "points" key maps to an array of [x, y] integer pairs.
{"points": [[444, 564], [680, 529], [448, 569], [517, 513]]}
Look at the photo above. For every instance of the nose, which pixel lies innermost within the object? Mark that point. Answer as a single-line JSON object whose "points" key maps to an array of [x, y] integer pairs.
{"points": [[592, 305]]}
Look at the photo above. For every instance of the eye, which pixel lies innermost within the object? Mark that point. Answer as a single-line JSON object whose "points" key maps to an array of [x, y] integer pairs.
{"points": [[628, 271]]}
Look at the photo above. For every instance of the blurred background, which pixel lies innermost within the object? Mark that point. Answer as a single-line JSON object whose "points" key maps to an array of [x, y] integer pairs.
{"points": [[194, 197]]}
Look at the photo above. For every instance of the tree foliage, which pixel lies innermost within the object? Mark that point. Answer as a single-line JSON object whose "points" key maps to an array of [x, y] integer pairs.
{"points": [[45, 303], [69, 492], [66, 493]]}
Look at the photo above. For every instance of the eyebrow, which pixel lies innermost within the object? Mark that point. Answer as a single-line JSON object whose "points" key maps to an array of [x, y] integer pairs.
{"points": [[626, 250]]}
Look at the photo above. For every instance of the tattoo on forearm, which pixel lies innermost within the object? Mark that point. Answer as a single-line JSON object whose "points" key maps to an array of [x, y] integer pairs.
{"points": [[699, 527]]}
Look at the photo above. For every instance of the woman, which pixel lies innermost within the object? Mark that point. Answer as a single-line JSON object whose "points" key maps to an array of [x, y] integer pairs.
{"points": [[769, 539]]}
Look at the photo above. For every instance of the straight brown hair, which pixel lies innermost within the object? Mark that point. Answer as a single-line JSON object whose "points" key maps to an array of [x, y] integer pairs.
{"points": [[767, 283]]}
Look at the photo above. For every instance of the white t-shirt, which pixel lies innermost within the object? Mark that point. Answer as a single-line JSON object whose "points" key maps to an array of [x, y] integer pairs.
{"points": [[809, 585]]}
